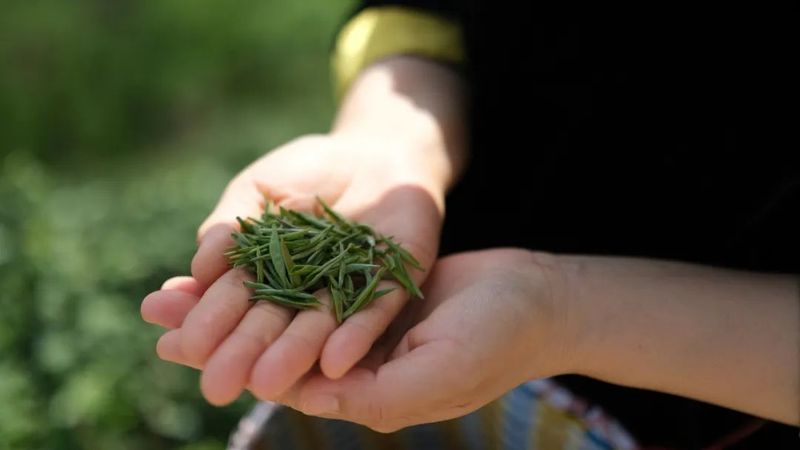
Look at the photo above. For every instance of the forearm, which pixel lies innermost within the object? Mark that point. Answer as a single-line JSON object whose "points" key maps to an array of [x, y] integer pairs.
{"points": [[726, 337], [413, 104]]}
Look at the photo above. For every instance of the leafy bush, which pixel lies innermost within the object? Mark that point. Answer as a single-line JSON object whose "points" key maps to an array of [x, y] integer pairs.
{"points": [[122, 122]]}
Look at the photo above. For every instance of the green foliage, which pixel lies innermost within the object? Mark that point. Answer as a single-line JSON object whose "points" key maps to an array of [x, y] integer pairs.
{"points": [[94, 77], [121, 123]]}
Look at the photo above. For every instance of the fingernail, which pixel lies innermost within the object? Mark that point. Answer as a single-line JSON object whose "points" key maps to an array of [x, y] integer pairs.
{"points": [[322, 405]]}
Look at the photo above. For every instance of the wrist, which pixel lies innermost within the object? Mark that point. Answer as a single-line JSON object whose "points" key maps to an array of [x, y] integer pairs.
{"points": [[575, 303], [582, 299], [413, 104], [408, 158], [555, 329]]}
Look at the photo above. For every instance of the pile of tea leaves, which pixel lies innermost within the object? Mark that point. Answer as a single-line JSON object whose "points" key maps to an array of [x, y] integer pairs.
{"points": [[294, 254]]}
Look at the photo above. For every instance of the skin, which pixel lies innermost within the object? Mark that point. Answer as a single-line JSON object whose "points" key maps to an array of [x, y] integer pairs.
{"points": [[396, 146], [727, 337], [700, 332]]}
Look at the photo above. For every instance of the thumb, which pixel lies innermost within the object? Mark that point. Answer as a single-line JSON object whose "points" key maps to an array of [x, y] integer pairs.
{"points": [[240, 199]]}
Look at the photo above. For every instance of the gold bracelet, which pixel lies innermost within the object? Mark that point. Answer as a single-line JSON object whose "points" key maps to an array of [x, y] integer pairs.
{"points": [[378, 32]]}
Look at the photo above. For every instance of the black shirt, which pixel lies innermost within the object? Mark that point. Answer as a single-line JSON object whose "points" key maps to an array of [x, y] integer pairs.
{"points": [[658, 130]]}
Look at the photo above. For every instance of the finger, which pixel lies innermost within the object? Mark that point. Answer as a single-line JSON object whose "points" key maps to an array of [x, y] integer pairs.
{"points": [[353, 339], [396, 335], [377, 356], [228, 370], [167, 308], [241, 198], [215, 316], [423, 382], [412, 218], [168, 348], [185, 284], [209, 261], [294, 353]]}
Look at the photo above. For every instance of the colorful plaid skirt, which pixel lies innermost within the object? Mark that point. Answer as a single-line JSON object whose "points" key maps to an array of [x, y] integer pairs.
{"points": [[538, 415]]}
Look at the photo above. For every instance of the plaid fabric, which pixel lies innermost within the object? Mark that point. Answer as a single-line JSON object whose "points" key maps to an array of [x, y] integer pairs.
{"points": [[536, 415]]}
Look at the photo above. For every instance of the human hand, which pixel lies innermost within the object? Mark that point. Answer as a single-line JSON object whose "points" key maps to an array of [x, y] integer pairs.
{"points": [[214, 325], [490, 321]]}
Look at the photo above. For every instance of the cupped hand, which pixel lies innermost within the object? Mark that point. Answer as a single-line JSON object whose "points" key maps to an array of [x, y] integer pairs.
{"points": [[490, 320], [235, 342]]}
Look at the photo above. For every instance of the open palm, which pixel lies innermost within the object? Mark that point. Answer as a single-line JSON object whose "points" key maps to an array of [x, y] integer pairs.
{"points": [[267, 347], [489, 321]]}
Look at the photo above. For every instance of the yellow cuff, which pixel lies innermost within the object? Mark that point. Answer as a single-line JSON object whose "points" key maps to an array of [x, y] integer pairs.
{"points": [[378, 32]]}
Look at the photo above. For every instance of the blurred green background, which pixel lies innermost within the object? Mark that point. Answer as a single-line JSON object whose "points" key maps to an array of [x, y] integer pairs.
{"points": [[120, 123]]}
